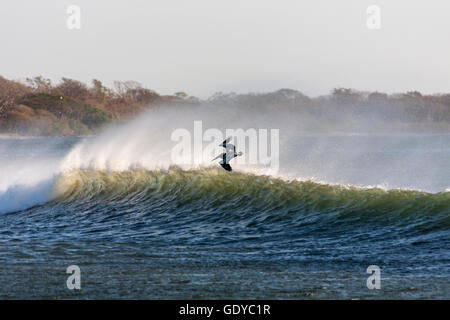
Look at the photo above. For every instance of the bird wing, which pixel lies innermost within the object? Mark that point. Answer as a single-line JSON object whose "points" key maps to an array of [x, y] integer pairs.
{"points": [[219, 156], [225, 142]]}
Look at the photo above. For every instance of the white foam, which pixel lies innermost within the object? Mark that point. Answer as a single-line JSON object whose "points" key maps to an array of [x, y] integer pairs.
{"points": [[22, 196], [25, 183]]}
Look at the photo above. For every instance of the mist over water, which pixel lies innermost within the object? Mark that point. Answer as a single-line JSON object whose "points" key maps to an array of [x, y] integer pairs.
{"points": [[411, 161], [28, 169]]}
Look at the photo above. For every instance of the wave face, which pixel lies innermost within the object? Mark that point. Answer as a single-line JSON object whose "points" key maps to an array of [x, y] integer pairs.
{"points": [[259, 198]]}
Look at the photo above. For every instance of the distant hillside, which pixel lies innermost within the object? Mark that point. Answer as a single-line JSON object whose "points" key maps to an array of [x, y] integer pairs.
{"points": [[37, 107], [350, 110]]}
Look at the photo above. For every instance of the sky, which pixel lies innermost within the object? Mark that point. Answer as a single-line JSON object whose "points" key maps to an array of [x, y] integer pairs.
{"points": [[207, 46]]}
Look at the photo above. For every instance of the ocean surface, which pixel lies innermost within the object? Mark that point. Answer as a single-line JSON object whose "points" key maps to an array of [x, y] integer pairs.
{"points": [[140, 230]]}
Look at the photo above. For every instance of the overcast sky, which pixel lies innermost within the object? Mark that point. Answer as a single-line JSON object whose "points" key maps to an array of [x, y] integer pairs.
{"points": [[204, 46]]}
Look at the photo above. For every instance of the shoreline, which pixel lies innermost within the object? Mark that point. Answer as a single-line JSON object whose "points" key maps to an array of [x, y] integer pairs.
{"points": [[15, 136]]}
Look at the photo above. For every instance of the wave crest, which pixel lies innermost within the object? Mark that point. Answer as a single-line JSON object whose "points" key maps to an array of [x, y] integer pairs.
{"points": [[223, 191]]}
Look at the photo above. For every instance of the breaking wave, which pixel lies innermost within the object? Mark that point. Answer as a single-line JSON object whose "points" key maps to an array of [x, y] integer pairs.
{"points": [[264, 196]]}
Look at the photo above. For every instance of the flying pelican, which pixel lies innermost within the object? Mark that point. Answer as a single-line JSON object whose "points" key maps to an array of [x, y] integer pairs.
{"points": [[230, 153]]}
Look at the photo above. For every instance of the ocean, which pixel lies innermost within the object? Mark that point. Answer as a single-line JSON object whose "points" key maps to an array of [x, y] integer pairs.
{"points": [[139, 227]]}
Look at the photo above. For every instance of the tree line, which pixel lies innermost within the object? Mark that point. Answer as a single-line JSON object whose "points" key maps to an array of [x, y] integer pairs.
{"points": [[36, 106]]}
